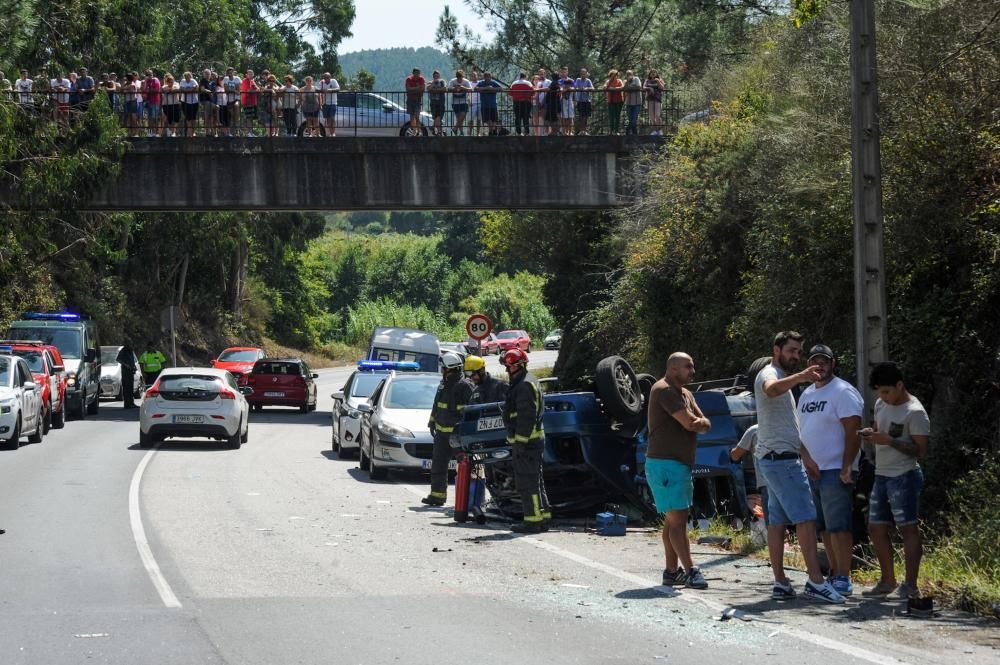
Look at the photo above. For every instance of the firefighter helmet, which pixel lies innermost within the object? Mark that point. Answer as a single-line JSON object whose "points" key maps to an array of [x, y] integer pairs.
{"points": [[451, 360], [513, 358], [474, 364]]}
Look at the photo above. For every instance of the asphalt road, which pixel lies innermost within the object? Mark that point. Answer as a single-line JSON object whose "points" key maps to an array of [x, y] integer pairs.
{"points": [[282, 553]]}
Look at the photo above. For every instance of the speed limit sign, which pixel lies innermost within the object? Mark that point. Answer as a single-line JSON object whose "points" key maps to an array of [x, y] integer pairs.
{"points": [[479, 326]]}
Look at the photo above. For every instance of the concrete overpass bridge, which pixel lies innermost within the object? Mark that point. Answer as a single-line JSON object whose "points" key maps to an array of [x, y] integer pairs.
{"points": [[375, 173]]}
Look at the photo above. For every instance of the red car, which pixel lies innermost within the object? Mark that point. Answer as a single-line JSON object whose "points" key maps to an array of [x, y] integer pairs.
{"points": [[484, 347], [282, 382], [514, 339], [239, 360], [48, 371]]}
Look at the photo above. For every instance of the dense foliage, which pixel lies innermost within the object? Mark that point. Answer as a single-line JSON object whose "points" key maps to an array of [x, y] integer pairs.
{"points": [[390, 66]]}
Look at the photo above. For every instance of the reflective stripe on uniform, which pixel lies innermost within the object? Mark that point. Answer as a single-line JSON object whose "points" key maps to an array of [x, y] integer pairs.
{"points": [[439, 495], [444, 428], [442, 405]]}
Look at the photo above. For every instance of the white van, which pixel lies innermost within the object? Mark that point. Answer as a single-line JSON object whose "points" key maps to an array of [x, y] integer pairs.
{"points": [[406, 344]]}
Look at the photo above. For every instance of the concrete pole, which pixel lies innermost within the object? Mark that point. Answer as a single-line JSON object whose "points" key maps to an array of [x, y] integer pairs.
{"points": [[866, 172]]}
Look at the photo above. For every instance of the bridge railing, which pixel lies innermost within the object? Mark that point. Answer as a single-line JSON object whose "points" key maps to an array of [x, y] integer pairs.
{"points": [[306, 113]]}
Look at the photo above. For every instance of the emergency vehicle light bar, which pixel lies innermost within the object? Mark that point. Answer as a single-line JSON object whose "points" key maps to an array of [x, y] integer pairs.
{"points": [[22, 342], [372, 365], [50, 316]]}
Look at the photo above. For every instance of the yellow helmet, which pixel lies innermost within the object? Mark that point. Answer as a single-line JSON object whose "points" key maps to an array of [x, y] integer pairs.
{"points": [[474, 364]]}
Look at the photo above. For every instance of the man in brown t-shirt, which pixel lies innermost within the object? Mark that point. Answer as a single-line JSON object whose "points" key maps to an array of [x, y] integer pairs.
{"points": [[674, 424]]}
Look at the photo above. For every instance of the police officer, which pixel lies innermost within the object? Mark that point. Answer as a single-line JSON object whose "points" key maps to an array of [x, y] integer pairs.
{"points": [[453, 394], [522, 413], [151, 363], [488, 389], [126, 360]]}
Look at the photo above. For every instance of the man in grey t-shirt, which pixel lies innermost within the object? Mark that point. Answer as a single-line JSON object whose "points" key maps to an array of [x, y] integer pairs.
{"points": [[784, 463]]}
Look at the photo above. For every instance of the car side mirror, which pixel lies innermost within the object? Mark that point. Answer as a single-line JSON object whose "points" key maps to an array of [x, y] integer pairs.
{"points": [[91, 355], [388, 108], [338, 395], [315, 375], [29, 385], [246, 391], [365, 408]]}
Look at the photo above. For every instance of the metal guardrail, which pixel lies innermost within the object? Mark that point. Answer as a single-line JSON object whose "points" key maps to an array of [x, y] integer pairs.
{"points": [[315, 113]]}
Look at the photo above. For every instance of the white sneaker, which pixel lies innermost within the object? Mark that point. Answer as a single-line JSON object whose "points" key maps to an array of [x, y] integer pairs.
{"points": [[824, 592]]}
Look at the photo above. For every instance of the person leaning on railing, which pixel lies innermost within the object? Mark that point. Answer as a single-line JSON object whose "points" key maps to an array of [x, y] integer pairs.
{"points": [[290, 105], [616, 101], [654, 87]]}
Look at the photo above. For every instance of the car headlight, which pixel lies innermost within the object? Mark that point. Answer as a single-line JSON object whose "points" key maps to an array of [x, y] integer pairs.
{"points": [[388, 429], [71, 380], [6, 407]]}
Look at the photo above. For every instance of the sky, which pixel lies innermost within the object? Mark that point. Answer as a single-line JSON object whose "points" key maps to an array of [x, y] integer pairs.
{"points": [[391, 23]]}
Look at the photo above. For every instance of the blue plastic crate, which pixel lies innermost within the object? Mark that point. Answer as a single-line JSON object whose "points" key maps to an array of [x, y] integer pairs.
{"points": [[611, 524]]}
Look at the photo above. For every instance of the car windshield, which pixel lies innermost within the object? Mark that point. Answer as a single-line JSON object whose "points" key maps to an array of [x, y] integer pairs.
{"points": [[189, 383], [364, 384], [67, 340], [415, 393], [4, 372], [555, 333], [34, 359], [109, 355], [285, 369], [238, 356], [509, 334], [428, 362]]}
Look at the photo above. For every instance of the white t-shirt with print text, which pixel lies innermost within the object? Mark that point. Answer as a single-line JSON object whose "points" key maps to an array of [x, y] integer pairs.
{"points": [[820, 426]]}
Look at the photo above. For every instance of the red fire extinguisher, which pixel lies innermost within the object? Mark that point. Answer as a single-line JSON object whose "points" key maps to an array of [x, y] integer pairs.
{"points": [[462, 478]]}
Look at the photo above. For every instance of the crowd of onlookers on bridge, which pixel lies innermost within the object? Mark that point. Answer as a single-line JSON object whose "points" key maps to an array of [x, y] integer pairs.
{"points": [[231, 104]]}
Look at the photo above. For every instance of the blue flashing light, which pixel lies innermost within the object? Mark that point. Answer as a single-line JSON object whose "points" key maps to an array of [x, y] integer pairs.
{"points": [[7, 350], [50, 316], [386, 365]]}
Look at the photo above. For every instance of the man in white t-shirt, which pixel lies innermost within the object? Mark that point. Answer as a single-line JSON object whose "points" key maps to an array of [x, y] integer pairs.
{"points": [[23, 86], [900, 437], [830, 413], [329, 87], [60, 96]]}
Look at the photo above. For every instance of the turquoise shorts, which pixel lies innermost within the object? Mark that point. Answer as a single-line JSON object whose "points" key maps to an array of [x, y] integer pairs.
{"points": [[671, 484]]}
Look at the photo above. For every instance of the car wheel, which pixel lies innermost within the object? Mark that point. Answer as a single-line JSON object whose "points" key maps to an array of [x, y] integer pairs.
{"points": [[47, 420], [93, 408], [646, 382], [304, 408], [344, 454], [59, 418], [363, 460], [755, 368], [376, 472], [236, 440], [245, 436], [145, 440], [334, 442], [15, 438], [618, 388], [36, 436]]}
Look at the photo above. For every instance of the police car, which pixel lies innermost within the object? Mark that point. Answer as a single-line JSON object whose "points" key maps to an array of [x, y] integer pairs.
{"points": [[20, 402], [359, 387]]}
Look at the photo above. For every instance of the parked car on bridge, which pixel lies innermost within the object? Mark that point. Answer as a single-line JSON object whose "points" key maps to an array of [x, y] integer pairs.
{"points": [[345, 416], [20, 403], [394, 429], [370, 114], [239, 360], [111, 374], [282, 382], [514, 339], [48, 372], [553, 340], [595, 446], [195, 402]]}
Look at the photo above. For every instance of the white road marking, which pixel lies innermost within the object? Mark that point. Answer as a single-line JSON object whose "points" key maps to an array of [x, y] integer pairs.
{"points": [[812, 638], [139, 536]]}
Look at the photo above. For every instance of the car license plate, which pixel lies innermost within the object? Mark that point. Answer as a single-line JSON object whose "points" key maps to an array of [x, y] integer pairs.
{"points": [[274, 394], [426, 464], [489, 423], [189, 420]]}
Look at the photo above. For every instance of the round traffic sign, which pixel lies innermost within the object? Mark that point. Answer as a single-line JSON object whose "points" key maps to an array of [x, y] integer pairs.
{"points": [[479, 326]]}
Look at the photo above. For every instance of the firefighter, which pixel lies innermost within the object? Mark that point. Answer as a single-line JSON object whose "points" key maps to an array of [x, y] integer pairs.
{"points": [[522, 413], [452, 396], [488, 389]]}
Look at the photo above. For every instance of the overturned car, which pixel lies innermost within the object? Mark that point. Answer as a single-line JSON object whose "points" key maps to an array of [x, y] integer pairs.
{"points": [[595, 446]]}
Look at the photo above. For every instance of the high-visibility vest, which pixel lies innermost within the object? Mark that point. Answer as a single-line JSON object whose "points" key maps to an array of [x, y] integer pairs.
{"points": [[152, 361]]}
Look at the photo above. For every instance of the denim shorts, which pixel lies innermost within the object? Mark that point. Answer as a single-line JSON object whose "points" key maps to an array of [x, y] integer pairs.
{"points": [[896, 499], [153, 111], [329, 110], [834, 501], [671, 484], [789, 497]]}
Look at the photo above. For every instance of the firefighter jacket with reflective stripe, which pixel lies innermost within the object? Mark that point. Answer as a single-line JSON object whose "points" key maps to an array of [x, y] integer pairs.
{"points": [[490, 390], [523, 410], [449, 402], [152, 361]]}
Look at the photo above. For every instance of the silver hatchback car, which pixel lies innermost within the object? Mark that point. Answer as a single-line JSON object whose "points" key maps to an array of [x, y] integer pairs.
{"points": [[394, 431]]}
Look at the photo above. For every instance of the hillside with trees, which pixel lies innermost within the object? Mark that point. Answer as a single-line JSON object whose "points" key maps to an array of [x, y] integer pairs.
{"points": [[390, 66]]}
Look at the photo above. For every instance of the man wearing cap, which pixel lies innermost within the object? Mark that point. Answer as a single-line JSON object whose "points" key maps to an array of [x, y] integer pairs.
{"points": [[784, 463], [830, 413]]}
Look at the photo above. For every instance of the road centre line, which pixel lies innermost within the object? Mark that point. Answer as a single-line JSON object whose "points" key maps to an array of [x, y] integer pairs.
{"points": [[139, 536]]}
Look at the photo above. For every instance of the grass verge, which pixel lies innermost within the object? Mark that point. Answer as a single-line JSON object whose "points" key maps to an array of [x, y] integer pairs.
{"points": [[333, 354], [740, 541]]}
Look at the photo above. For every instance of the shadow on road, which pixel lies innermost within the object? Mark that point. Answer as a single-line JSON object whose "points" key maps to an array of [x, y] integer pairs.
{"points": [[650, 593], [186, 445], [277, 415]]}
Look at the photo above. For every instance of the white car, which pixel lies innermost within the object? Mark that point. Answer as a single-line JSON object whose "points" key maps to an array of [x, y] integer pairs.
{"points": [[20, 403], [111, 374], [195, 402], [369, 114]]}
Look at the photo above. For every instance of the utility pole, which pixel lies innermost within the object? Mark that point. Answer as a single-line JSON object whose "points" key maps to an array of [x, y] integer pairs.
{"points": [[866, 175]]}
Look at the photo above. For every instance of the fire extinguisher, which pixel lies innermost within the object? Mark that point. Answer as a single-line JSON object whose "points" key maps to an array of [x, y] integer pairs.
{"points": [[462, 478]]}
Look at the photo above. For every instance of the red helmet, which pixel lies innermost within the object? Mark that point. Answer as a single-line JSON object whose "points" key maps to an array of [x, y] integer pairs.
{"points": [[514, 357]]}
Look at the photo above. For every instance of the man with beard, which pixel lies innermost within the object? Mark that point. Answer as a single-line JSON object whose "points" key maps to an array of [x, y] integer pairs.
{"points": [[784, 463], [829, 418]]}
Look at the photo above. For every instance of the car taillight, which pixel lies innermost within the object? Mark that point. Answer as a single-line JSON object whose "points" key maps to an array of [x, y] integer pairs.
{"points": [[154, 391], [227, 394]]}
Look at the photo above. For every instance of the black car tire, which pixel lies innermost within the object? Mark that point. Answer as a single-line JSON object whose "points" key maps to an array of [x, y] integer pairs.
{"points": [[304, 408], [145, 440], [47, 420], [15, 438], [36, 436], [755, 368], [245, 436], [363, 459], [376, 472], [236, 440], [646, 382], [334, 443], [59, 418], [618, 388], [93, 408]]}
